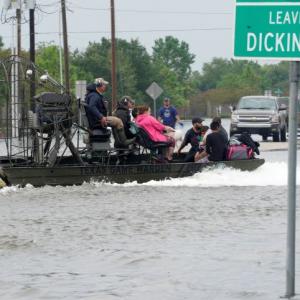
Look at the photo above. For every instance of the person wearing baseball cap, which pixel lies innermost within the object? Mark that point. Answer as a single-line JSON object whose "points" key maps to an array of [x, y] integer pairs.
{"points": [[97, 113], [193, 136], [168, 114], [123, 112]]}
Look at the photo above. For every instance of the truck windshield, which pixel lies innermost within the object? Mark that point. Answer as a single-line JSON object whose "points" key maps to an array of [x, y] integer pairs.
{"points": [[257, 103]]}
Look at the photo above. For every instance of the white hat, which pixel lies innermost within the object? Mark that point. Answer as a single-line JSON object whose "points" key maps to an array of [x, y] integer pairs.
{"points": [[101, 81]]}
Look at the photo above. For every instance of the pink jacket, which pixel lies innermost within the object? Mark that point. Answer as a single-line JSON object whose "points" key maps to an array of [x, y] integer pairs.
{"points": [[153, 127]]}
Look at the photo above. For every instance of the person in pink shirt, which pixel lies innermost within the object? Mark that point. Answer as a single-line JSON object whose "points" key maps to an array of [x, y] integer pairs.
{"points": [[157, 131]]}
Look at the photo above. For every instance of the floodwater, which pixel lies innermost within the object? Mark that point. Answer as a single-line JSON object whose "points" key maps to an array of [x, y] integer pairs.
{"points": [[220, 234]]}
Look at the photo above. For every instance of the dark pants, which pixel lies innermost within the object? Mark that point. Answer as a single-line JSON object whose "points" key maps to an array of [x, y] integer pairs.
{"points": [[190, 156]]}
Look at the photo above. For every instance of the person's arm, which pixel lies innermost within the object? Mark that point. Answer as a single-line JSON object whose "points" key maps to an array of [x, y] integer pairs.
{"points": [[199, 155], [92, 106], [208, 145], [156, 124], [169, 129], [176, 115], [184, 142]]}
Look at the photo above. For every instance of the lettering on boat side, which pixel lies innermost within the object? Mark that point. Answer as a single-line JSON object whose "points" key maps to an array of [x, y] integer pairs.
{"points": [[192, 168], [125, 170]]}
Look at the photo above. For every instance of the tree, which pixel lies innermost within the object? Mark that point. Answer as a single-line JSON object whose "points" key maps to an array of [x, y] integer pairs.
{"points": [[276, 77], [212, 73], [47, 58], [133, 65], [140, 61], [175, 55]]}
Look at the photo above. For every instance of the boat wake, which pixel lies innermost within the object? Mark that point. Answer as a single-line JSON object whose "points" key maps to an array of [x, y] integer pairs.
{"points": [[270, 174]]}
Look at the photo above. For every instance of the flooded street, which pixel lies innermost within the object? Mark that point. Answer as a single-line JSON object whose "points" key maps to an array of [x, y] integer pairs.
{"points": [[220, 234]]}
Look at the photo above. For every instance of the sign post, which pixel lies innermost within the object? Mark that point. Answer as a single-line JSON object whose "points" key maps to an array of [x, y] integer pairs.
{"points": [[270, 29], [154, 91]]}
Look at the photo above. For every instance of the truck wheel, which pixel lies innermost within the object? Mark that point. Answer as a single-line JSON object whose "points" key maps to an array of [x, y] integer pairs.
{"points": [[264, 137], [276, 137], [283, 134]]}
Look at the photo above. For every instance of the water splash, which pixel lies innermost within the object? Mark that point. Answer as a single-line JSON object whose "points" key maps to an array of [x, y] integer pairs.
{"points": [[270, 174]]}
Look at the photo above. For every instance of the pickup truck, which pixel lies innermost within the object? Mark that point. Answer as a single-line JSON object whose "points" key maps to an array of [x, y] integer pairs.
{"points": [[260, 115]]}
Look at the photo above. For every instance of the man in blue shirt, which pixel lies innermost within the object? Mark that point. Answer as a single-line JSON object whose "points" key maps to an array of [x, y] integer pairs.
{"points": [[168, 114]]}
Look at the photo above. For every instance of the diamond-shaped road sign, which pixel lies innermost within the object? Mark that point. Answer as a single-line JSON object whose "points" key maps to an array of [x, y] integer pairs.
{"points": [[154, 90]]}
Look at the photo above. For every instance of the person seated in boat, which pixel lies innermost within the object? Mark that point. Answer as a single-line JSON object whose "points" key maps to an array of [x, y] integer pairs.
{"points": [[221, 130], [97, 112], [216, 146], [123, 112], [157, 131], [193, 137]]}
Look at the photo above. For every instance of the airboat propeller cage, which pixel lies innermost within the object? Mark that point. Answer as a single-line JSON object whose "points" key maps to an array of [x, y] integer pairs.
{"points": [[53, 108]]}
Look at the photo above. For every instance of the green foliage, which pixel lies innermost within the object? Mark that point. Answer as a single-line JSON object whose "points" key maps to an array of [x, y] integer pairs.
{"points": [[225, 81], [174, 55], [133, 66], [212, 73], [47, 58], [276, 77]]}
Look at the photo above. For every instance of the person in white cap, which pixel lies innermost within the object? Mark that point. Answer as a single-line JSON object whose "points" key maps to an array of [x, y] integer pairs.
{"points": [[97, 113]]}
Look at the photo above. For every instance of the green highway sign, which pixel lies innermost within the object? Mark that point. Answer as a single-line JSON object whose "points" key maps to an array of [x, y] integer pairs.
{"points": [[267, 31]]}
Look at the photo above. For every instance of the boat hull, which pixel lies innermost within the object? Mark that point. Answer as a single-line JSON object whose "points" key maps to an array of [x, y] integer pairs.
{"points": [[75, 175]]}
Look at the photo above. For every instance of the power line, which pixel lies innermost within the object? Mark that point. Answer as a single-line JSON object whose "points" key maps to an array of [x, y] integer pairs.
{"points": [[153, 11], [142, 31]]}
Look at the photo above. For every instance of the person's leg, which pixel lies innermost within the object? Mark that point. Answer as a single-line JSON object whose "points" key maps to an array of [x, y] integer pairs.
{"points": [[190, 156], [121, 139], [200, 155], [115, 122], [170, 148]]}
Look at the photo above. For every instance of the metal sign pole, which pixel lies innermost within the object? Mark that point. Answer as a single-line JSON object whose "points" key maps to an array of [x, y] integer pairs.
{"points": [[154, 107], [292, 169]]}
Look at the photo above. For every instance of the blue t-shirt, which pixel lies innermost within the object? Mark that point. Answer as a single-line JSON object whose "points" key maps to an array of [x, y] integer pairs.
{"points": [[168, 115]]}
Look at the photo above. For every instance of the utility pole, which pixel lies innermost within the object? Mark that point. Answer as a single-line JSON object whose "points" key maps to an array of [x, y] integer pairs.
{"points": [[32, 55], [113, 56], [19, 116], [66, 48], [292, 176], [18, 15]]}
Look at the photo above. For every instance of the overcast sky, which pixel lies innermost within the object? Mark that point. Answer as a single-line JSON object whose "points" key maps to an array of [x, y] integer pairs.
{"points": [[206, 25]]}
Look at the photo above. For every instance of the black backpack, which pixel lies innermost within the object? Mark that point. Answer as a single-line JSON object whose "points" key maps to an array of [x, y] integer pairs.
{"points": [[245, 138]]}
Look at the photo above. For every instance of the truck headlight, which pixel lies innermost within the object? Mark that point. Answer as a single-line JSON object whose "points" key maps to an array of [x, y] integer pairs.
{"points": [[234, 118], [275, 119]]}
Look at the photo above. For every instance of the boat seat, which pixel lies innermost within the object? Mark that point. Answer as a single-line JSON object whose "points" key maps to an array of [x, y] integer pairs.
{"points": [[97, 138], [156, 148]]}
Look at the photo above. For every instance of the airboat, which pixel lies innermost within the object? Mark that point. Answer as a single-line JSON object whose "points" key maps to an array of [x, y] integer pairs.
{"points": [[46, 140]]}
